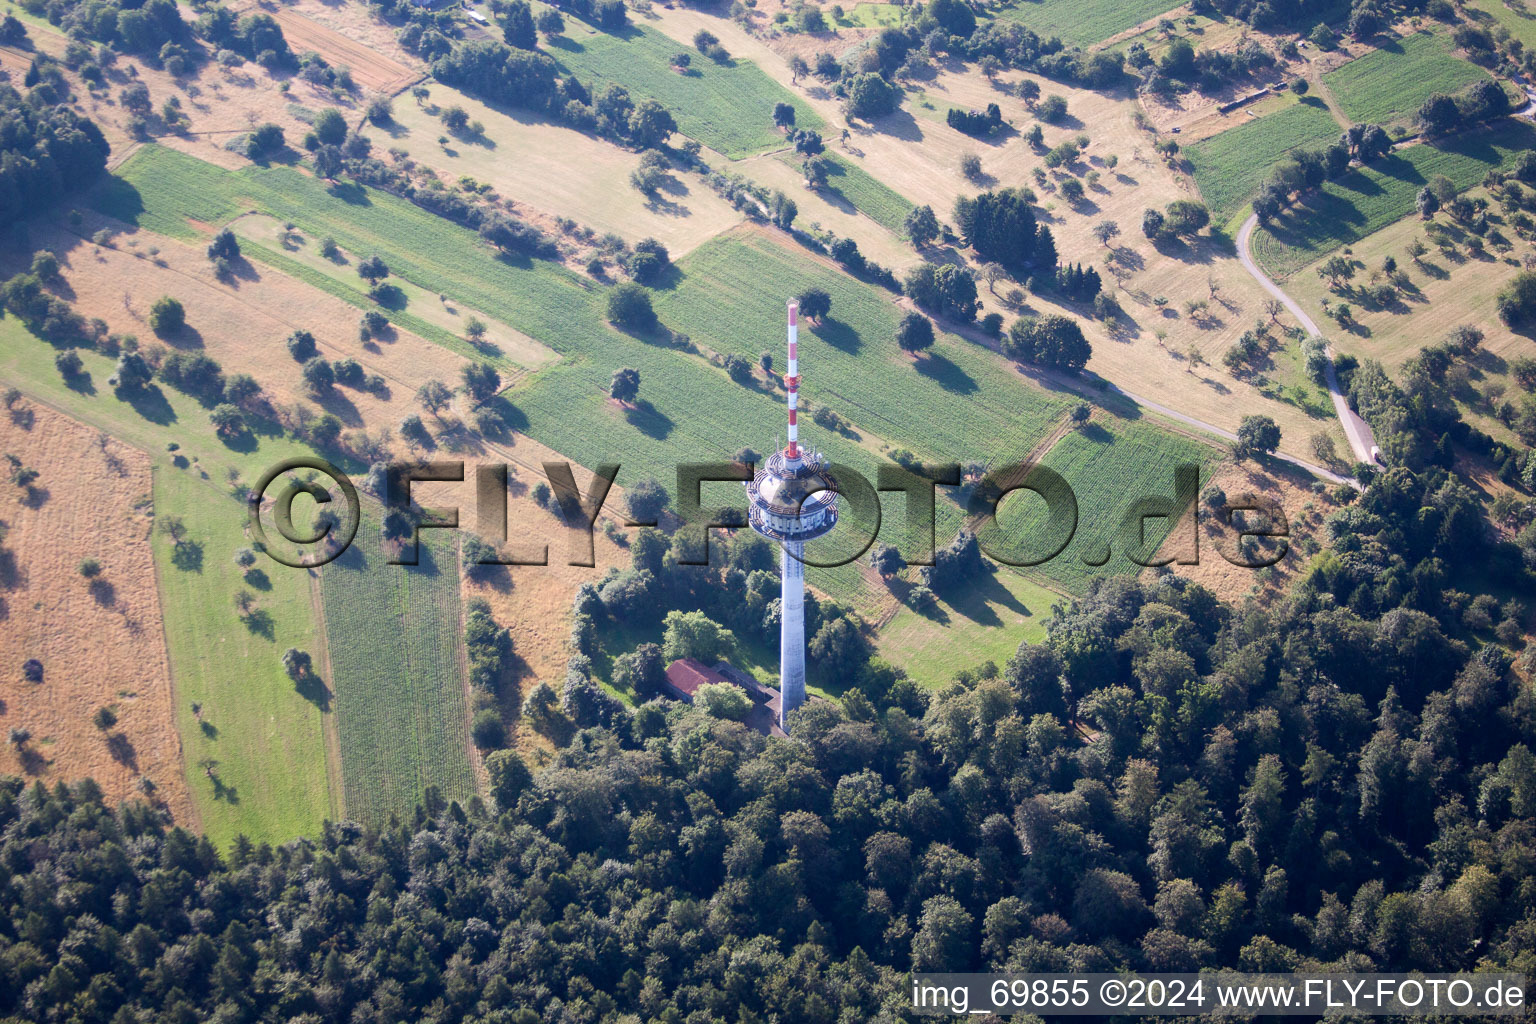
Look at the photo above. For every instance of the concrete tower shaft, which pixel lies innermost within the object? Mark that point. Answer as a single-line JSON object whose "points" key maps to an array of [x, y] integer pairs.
{"points": [[792, 499]]}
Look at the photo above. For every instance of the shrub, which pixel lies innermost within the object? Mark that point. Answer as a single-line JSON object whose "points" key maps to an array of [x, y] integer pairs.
{"points": [[629, 306], [487, 730], [167, 316]]}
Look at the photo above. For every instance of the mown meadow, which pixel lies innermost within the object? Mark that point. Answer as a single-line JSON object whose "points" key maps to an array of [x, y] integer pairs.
{"points": [[1369, 198], [396, 646]]}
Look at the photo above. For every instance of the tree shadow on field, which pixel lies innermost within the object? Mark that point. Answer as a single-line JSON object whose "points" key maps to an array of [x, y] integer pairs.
{"points": [[313, 689], [260, 623], [81, 384], [122, 751], [350, 193], [946, 374], [187, 556], [650, 421], [150, 403], [838, 334]]}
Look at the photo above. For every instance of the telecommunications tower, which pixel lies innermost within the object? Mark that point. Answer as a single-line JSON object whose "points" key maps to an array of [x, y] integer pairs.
{"points": [[791, 500]]}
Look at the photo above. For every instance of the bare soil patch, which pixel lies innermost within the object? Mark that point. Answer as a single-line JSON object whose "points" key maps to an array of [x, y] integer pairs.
{"points": [[100, 641]]}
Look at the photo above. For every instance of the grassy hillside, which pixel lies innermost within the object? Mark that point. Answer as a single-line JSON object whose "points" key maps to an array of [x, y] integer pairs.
{"points": [[266, 739], [726, 106], [1082, 22], [396, 643], [1388, 84], [1231, 166], [1368, 199]]}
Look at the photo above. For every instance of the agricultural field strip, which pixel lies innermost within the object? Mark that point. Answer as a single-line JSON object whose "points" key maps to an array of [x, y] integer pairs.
{"points": [[690, 410], [726, 106], [1108, 469], [1368, 199], [395, 637], [1082, 22], [866, 193], [1229, 167], [1389, 84]]}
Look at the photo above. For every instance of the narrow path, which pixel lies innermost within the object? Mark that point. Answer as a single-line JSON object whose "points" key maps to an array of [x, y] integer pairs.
{"points": [[1361, 439]]}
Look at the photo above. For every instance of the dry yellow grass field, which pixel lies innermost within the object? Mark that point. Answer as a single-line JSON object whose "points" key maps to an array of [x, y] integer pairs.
{"points": [[561, 172], [100, 645], [1450, 293], [1304, 512], [244, 323]]}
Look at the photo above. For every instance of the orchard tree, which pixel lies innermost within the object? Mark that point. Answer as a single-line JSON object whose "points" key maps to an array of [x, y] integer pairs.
{"points": [[625, 386], [433, 396], [815, 304], [915, 333], [1256, 435], [921, 226], [373, 270]]}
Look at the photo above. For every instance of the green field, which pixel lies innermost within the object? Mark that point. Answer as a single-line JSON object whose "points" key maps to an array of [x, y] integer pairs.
{"points": [[1389, 84], [1491, 13], [863, 191], [266, 738], [1368, 199], [727, 107], [959, 404], [1230, 167], [868, 15], [1082, 22], [264, 735], [1108, 470], [984, 621], [396, 643]]}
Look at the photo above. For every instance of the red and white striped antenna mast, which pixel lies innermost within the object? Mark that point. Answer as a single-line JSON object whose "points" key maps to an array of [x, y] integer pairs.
{"points": [[792, 382]]}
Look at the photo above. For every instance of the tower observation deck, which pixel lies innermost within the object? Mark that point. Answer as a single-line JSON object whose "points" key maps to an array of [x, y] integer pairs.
{"points": [[791, 500]]}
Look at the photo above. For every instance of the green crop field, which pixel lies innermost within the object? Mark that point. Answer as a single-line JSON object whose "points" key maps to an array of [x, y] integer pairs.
{"points": [[1231, 166], [1082, 22], [985, 620], [726, 106], [266, 738], [1368, 199], [958, 404], [1108, 470], [861, 190], [396, 644], [1388, 84]]}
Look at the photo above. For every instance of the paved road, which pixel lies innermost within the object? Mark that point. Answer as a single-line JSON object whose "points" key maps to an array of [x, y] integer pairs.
{"points": [[1361, 439]]}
